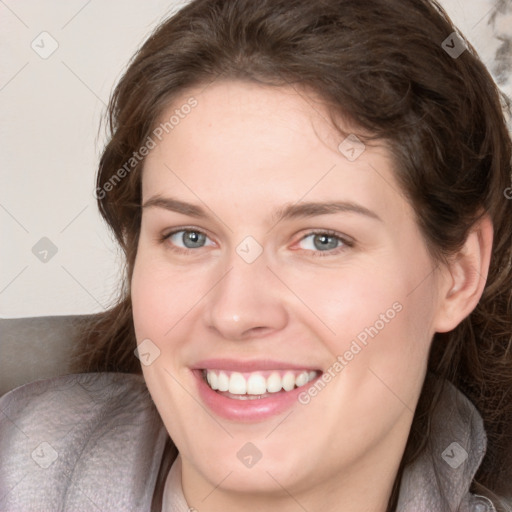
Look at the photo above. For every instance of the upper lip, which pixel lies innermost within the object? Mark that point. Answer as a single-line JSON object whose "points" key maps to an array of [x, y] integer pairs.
{"points": [[249, 365]]}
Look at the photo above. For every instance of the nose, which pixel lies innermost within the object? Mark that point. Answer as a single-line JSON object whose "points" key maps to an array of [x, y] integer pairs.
{"points": [[246, 302]]}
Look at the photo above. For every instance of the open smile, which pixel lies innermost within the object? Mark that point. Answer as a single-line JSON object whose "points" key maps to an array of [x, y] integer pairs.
{"points": [[251, 392]]}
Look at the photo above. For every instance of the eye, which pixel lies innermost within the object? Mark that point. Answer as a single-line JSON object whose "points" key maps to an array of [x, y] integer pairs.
{"points": [[185, 240], [319, 243], [328, 242]]}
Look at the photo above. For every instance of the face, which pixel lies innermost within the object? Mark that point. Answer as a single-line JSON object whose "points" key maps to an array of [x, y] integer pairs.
{"points": [[269, 255]]}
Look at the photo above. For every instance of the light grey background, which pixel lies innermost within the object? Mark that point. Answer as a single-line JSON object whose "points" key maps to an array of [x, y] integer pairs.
{"points": [[50, 111]]}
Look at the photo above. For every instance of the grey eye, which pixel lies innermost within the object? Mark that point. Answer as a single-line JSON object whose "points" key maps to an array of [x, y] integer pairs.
{"points": [[188, 239], [321, 242]]}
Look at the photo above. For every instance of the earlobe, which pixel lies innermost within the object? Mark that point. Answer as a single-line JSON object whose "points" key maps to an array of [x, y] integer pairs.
{"points": [[465, 277]]}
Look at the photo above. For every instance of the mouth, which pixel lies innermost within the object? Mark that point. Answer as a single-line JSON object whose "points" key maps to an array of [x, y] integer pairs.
{"points": [[256, 385], [251, 392]]}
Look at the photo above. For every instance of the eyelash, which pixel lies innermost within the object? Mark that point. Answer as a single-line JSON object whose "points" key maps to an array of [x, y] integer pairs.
{"points": [[346, 243]]}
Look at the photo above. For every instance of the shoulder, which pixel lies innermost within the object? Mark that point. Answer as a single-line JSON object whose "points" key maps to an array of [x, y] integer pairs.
{"points": [[63, 439]]}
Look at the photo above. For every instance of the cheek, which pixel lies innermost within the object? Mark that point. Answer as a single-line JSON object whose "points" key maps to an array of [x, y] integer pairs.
{"points": [[386, 332], [379, 349], [161, 298], [376, 323], [161, 295], [385, 299], [145, 297]]}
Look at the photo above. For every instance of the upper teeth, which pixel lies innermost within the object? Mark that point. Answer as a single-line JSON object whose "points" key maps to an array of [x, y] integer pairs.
{"points": [[257, 383]]}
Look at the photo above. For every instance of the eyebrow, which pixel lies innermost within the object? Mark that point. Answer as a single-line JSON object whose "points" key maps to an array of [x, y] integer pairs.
{"points": [[288, 211]]}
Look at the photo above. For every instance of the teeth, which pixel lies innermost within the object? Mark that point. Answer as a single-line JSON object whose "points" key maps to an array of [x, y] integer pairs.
{"points": [[256, 383], [223, 382], [288, 381], [274, 383], [237, 384], [302, 379], [213, 380]]}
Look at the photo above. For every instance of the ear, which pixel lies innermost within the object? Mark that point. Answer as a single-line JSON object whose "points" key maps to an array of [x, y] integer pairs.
{"points": [[464, 277]]}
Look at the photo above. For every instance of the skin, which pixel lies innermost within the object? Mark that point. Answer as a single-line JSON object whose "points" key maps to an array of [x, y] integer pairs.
{"points": [[242, 152]]}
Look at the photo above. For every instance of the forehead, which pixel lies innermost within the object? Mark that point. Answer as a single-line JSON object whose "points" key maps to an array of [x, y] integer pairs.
{"points": [[276, 117], [261, 143]]}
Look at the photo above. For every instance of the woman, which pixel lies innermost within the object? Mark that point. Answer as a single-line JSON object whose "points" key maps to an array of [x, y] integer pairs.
{"points": [[311, 198]]}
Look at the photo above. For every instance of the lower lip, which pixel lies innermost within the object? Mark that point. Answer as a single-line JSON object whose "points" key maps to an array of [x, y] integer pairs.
{"points": [[258, 409]]}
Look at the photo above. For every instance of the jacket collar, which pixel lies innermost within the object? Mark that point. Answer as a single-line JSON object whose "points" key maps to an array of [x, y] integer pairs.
{"points": [[74, 431], [440, 478]]}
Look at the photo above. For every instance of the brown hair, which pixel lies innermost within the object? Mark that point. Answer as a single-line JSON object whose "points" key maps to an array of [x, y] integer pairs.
{"points": [[380, 64]]}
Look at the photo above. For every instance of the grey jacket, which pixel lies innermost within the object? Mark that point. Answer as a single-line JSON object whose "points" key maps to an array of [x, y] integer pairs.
{"points": [[95, 442]]}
